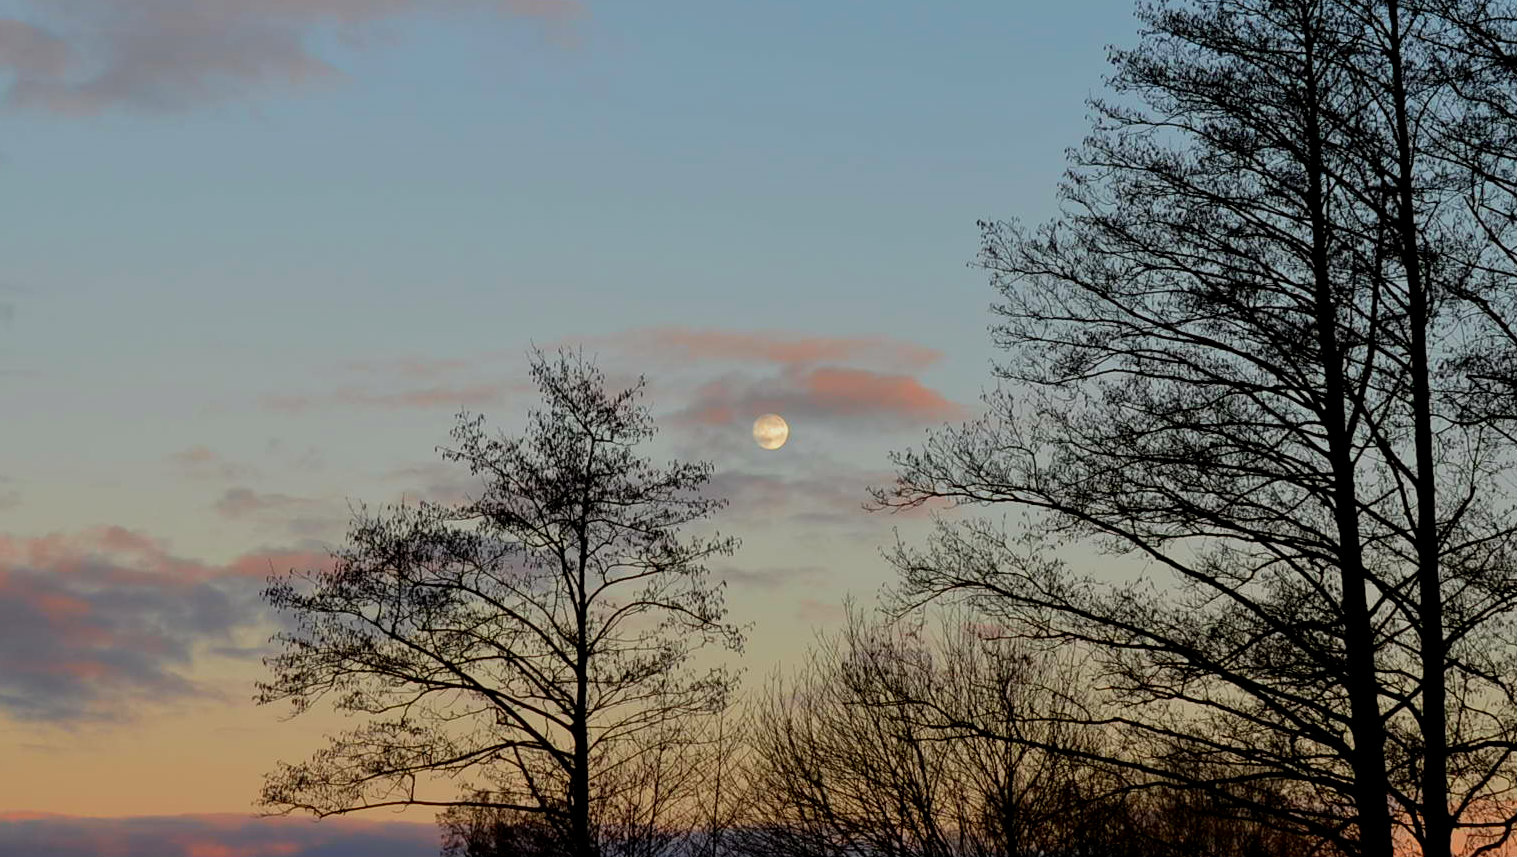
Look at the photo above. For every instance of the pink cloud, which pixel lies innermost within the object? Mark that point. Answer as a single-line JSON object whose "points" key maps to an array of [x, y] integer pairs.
{"points": [[87, 56], [260, 564], [94, 621], [859, 396], [867, 381], [859, 391], [686, 344]]}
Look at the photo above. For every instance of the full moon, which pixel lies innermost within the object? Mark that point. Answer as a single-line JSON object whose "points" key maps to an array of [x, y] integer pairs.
{"points": [[771, 431]]}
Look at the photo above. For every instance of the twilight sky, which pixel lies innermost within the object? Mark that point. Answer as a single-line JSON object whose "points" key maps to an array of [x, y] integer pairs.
{"points": [[257, 253]]}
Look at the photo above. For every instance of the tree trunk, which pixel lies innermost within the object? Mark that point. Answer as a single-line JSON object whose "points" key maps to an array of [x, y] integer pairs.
{"points": [[1371, 785], [1435, 802]]}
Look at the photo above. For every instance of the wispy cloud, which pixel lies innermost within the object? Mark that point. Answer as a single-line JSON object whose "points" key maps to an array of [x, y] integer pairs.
{"points": [[211, 836], [86, 56], [93, 623]]}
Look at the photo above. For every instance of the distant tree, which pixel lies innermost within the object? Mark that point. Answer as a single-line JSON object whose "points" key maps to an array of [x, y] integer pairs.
{"points": [[913, 740], [896, 739], [495, 832], [534, 644]]}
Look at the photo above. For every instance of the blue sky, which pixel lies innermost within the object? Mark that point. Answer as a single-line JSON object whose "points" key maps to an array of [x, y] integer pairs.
{"points": [[258, 252]]}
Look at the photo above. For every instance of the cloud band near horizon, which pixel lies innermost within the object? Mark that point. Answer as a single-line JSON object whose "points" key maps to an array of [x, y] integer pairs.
{"points": [[89, 56]]}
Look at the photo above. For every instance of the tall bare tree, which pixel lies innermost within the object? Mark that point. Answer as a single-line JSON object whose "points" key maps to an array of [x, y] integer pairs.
{"points": [[1191, 338], [1226, 353], [1256, 352], [533, 643]]}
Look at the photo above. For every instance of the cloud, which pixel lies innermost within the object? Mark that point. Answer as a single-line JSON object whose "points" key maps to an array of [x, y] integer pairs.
{"points": [[30, 51], [93, 622], [685, 345], [860, 397], [86, 56], [212, 836], [864, 381], [258, 565]]}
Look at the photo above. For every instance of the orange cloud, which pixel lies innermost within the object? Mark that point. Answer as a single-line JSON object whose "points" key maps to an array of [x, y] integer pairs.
{"points": [[87, 56]]}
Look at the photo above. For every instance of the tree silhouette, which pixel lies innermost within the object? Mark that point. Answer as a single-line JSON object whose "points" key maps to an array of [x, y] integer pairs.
{"points": [[920, 739], [1242, 356], [533, 643]]}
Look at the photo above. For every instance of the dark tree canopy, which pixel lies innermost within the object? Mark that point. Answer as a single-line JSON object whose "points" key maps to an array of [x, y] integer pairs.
{"points": [[533, 643]]}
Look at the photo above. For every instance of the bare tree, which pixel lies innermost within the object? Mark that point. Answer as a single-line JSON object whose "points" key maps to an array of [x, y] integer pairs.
{"points": [[895, 740], [677, 796], [1189, 336], [1250, 355], [911, 739], [533, 644], [494, 832]]}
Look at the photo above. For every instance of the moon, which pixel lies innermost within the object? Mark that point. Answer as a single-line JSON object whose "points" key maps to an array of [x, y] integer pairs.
{"points": [[770, 431]]}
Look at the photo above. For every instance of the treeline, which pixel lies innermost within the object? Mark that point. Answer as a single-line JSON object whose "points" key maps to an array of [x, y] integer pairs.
{"points": [[1265, 360], [908, 739]]}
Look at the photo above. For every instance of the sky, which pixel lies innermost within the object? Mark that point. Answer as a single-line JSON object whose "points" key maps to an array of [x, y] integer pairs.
{"points": [[258, 253]]}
